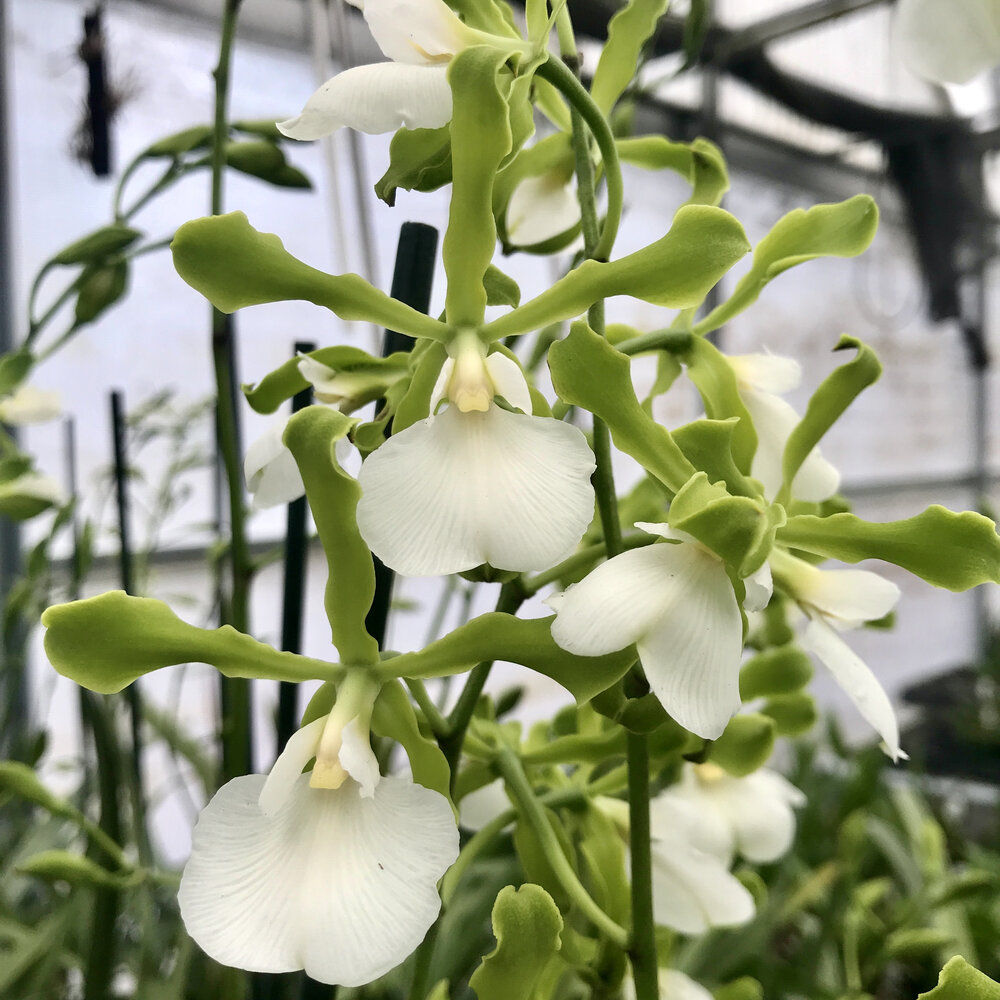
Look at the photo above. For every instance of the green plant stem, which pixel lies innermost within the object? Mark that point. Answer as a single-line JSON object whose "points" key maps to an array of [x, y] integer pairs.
{"points": [[437, 722], [533, 812], [642, 943], [674, 341]]}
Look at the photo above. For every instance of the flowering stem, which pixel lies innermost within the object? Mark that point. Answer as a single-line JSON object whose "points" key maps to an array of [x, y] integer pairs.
{"points": [[531, 810]]}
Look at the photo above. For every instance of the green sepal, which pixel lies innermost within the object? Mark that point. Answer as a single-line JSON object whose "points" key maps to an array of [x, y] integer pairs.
{"points": [[588, 372], [603, 853], [700, 163], [234, 266], [739, 530], [911, 944], [395, 718], [960, 981], [98, 245], [105, 643], [416, 400], [14, 369], [320, 704], [179, 143], [668, 370], [793, 714], [501, 289], [628, 32], [952, 550], [745, 745], [676, 271], [64, 866], [527, 926], [372, 376], [311, 435], [838, 390], [715, 381], [480, 128], [744, 988], [844, 229], [419, 160], [265, 161], [708, 446], [263, 128], [100, 288], [528, 641], [780, 670]]}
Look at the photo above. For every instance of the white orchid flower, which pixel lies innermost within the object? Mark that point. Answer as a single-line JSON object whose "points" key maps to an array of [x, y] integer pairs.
{"points": [[477, 483], [834, 601], [948, 41], [752, 816], [675, 602], [673, 985], [541, 208], [270, 470], [420, 37], [29, 405], [32, 487], [693, 890], [334, 871], [761, 380]]}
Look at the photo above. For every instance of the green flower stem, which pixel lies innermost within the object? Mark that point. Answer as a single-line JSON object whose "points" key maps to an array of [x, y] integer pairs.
{"points": [[565, 81], [531, 809], [580, 560], [674, 341], [237, 755], [437, 722], [642, 944]]}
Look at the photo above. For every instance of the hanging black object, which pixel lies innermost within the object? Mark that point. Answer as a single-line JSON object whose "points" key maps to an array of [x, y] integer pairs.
{"points": [[95, 132]]}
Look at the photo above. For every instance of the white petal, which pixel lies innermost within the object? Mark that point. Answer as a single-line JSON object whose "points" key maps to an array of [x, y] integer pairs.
{"points": [[861, 685], [357, 758], [849, 596], [770, 373], [271, 473], [541, 208], [36, 486], [618, 602], [299, 750], [691, 656], [380, 97], [483, 805], [675, 985], [509, 380], [663, 530], [461, 489], [949, 41], [29, 405], [685, 808], [817, 479], [440, 389], [759, 587], [423, 32], [342, 886]]}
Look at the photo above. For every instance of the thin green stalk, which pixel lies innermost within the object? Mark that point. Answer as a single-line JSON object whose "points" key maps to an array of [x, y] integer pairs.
{"points": [[437, 722], [532, 811], [642, 943]]}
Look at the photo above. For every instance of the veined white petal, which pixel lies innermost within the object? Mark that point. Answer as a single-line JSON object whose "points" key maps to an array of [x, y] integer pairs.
{"points": [[817, 479], [509, 380], [29, 405], [948, 42], [541, 208], [299, 750], [770, 373], [461, 489], [422, 32], [357, 758], [440, 389], [759, 587], [483, 805], [337, 884], [854, 676], [691, 656], [379, 97], [271, 473], [846, 596], [682, 809]]}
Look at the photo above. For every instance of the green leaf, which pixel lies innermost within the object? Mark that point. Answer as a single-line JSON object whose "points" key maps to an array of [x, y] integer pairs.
{"points": [[480, 127], [62, 866], [708, 446], [745, 745], [528, 641], [527, 925], [628, 31], [265, 128], [395, 718], [501, 289], [960, 981], [105, 643], [98, 245], [100, 288], [700, 163], [828, 403], [910, 944], [945, 548], [419, 160], [844, 229], [677, 271], [780, 670], [587, 371], [266, 161], [368, 376], [234, 266], [311, 435], [180, 142], [603, 853], [14, 369]]}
